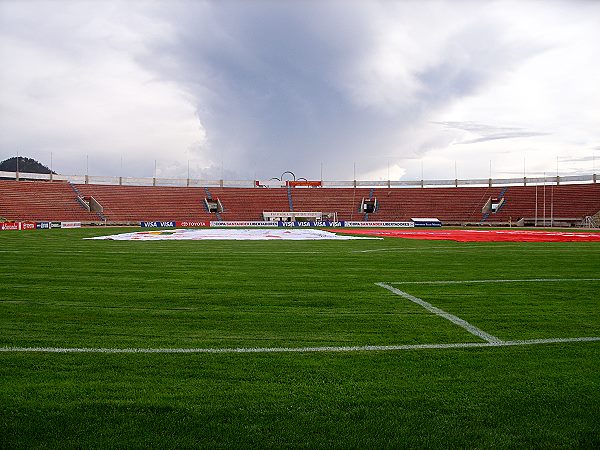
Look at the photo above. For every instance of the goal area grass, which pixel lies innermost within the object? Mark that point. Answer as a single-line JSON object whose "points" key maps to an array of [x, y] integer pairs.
{"points": [[180, 344]]}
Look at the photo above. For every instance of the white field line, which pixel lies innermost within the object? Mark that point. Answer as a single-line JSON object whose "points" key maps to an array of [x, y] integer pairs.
{"points": [[365, 348], [440, 312], [133, 253], [530, 280]]}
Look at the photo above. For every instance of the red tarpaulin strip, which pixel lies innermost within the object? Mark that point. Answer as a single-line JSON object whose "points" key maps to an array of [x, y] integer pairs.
{"points": [[479, 235]]}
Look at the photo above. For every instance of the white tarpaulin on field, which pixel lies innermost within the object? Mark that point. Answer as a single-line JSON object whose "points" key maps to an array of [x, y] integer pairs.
{"points": [[229, 234]]}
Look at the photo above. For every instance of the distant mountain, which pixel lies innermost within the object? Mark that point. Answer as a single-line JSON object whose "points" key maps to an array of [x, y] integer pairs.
{"points": [[26, 165]]}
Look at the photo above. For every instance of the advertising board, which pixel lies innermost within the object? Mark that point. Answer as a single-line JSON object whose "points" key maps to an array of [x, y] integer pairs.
{"points": [[10, 226], [242, 224], [192, 224], [311, 224], [426, 222], [168, 224], [380, 224], [70, 224]]}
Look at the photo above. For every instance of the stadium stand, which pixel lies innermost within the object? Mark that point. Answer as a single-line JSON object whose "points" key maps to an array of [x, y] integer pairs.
{"points": [[40, 201], [343, 201], [250, 203], [567, 204], [125, 204], [450, 205]]}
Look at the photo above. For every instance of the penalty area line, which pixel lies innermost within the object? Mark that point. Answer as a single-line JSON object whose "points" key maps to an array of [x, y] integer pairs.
{"points": [[365, 348]]}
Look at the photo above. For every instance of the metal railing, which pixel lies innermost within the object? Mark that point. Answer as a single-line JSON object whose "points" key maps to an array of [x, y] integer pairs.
{"points": [[193, 182]]}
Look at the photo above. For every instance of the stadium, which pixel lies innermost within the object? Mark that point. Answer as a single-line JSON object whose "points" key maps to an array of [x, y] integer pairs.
{"points": [[329, 224], [434, 340], [568, 201]]}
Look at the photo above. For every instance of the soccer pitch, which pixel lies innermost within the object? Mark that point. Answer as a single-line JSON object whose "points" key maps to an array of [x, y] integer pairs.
{"points": [[370, 343]]}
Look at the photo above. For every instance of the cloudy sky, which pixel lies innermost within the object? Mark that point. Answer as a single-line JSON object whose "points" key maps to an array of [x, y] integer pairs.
{"points": [[248, 89]]}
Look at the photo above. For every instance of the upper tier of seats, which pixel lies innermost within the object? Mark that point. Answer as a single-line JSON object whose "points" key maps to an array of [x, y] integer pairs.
{"points": [[21, 200]]}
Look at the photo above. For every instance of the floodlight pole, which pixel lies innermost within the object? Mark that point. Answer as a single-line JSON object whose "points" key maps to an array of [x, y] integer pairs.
{"points": [[388, 170], [121, 172], [455, 175]]}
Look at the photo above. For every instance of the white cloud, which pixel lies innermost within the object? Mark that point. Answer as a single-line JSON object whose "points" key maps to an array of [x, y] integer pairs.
{"points": [[554, 93], [84, 92]]}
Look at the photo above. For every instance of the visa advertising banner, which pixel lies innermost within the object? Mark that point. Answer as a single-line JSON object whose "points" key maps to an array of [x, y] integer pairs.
{"points": [[311, 224], [168, 224]]}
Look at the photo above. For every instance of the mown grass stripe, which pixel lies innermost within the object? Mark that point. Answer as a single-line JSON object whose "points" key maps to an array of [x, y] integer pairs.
{"points": [[440, 312]]}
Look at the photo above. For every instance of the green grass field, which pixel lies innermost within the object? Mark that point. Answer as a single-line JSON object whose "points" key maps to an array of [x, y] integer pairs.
{"points": [[60, 291]]}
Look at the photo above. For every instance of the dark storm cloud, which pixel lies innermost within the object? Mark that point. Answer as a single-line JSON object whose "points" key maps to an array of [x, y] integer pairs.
{"points": [[271, 82], [264, 80]]}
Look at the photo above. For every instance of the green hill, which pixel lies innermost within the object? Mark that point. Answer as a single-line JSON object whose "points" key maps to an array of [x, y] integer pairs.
{"points": [[26, 165]]}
